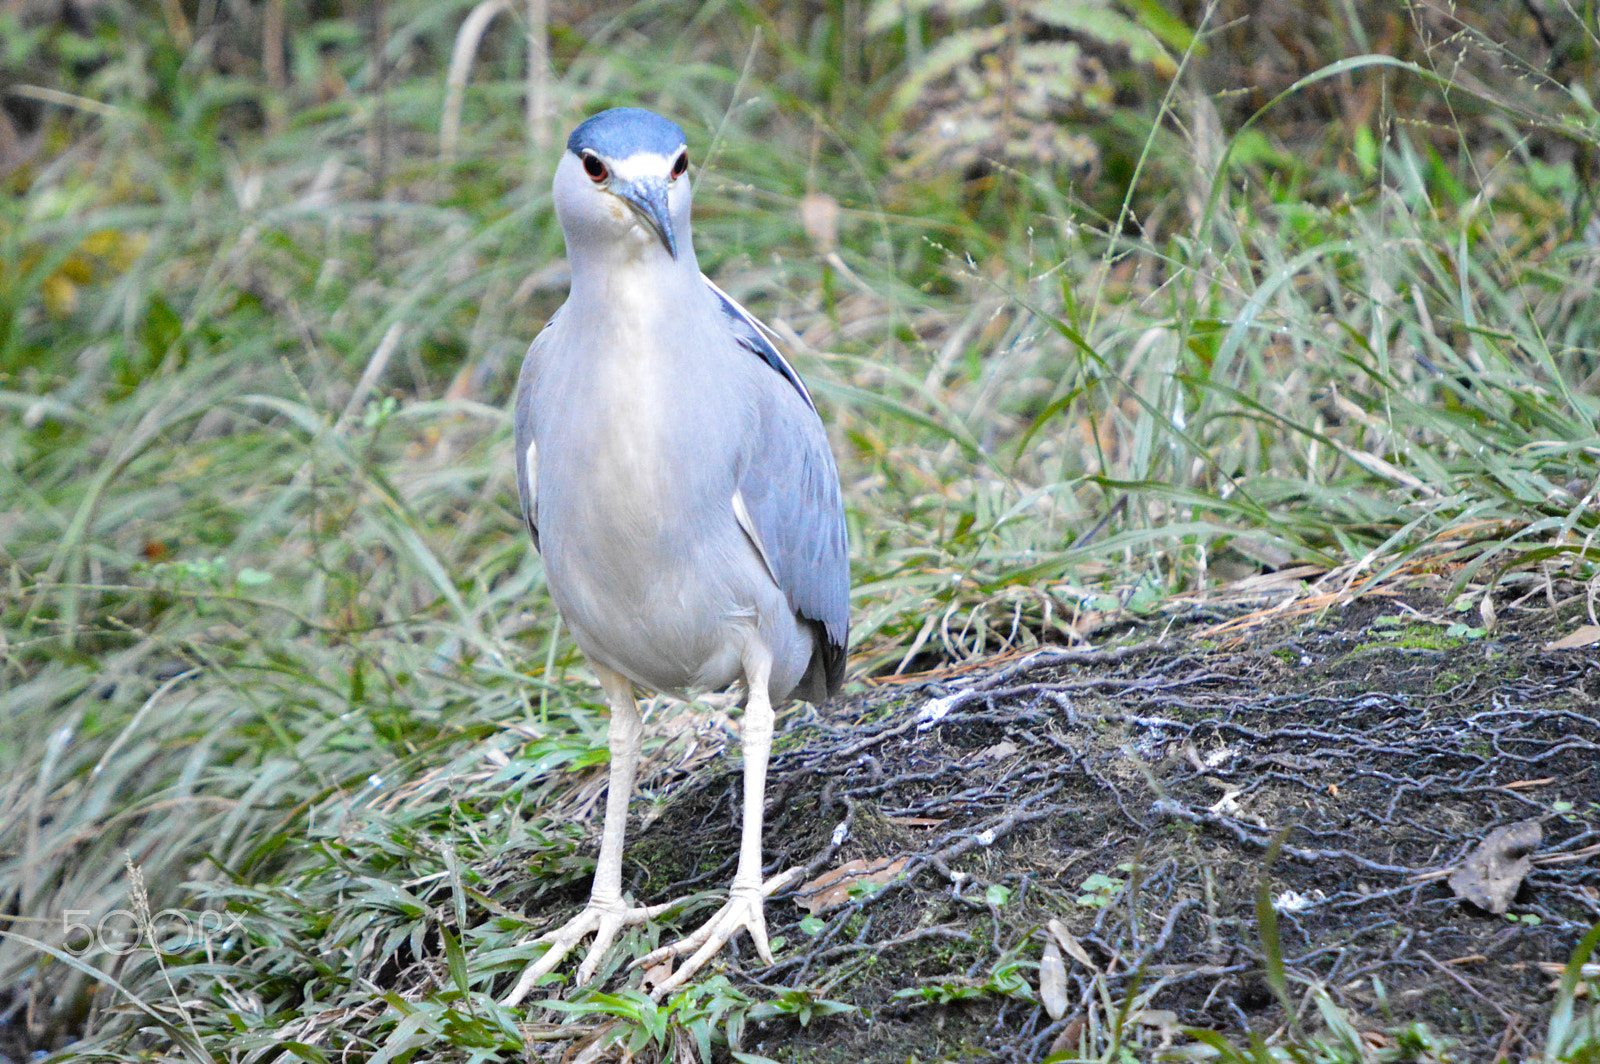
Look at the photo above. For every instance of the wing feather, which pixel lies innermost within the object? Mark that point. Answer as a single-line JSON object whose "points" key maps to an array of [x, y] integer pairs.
{"points": [[789, 504], [522, 428], [753, 336]]}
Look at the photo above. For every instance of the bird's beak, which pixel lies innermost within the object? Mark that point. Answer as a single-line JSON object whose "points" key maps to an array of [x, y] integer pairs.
{"points": [[648, 198]]}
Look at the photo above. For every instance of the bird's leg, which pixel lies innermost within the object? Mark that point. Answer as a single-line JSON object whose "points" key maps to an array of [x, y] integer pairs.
{"points": [[744, 907], [606, 913]]}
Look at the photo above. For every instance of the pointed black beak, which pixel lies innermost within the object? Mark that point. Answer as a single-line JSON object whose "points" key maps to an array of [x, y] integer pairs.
{"points": [[648, 198]]}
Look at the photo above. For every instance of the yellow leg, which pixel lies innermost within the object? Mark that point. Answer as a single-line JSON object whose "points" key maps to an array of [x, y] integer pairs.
{"points": [[606, 914]]}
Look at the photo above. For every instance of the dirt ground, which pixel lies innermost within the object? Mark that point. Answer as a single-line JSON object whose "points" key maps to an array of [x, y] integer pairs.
{"points": [[1134, 797]]}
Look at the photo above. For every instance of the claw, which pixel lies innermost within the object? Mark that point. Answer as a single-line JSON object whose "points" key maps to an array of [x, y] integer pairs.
{"points": [[744, 910], [605, 919]]}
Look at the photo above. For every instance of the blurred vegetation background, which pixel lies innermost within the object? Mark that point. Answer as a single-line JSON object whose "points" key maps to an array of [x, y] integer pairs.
{"points": [[1114, 308]]}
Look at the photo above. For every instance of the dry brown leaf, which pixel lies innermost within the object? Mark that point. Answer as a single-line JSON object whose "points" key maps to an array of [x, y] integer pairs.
{"points": [[1492, 873], [1053, 980], [1070, 1036], [916, 821], [598, 1047], [1073, 947], [1584, 636], [1556, 970], [1164, 1021], [656, 974], [994, 753], [832, 889]]}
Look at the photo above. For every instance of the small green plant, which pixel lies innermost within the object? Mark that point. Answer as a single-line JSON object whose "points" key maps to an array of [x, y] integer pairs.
{"points": [[698, 1019], [1098, 890], [377, 412], [801, 1005], [864, 888], [1574, 1033]]}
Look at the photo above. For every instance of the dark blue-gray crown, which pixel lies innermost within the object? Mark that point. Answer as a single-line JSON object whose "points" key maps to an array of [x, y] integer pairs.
{"points": [[624, 131]]}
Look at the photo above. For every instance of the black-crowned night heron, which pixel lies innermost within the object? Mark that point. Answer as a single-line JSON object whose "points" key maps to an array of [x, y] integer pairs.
{"points": [[677, 480]]}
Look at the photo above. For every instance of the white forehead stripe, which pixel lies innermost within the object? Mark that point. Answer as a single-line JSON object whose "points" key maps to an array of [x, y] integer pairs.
{"points": [[642, 164]]}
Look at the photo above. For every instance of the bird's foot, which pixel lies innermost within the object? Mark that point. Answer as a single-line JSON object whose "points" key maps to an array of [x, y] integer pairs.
{"points": [[744, 909], [603, 917]]}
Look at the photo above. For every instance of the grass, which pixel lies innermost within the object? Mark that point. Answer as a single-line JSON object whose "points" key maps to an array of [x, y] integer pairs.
{"points": [[272, 633]]}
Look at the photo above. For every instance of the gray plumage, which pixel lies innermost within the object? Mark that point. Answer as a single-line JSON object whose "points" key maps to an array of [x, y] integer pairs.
{"points": [[676, 479]]}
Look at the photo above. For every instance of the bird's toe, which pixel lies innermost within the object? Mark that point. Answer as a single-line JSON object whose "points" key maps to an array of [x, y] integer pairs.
{"points": [[743, 911], [605, 919]]}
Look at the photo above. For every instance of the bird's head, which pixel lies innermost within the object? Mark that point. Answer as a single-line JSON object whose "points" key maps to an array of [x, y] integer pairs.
{"points": [[622, 185]]}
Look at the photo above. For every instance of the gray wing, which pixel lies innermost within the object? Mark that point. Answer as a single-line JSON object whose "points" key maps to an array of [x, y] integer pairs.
{"points": [[790, 493], [752, 336], [522, 430]]}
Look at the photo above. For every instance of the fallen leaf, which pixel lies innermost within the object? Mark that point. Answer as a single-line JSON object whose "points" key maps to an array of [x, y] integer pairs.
{"points": [[832, 889], [994, 753], [1493, 871], [599, 1046], [1585, 636], [1053, 980], [1074, 948], [1164, 1021], [1557, 971], [657, 974], [1069, 1038], [916, 821]]}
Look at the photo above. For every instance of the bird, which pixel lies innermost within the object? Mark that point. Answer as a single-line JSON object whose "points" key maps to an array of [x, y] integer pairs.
{"points": [[680, 489]]}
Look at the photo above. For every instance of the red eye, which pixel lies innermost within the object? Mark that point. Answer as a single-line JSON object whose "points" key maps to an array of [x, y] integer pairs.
{"points": [[681, 165], [594, 167]]}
